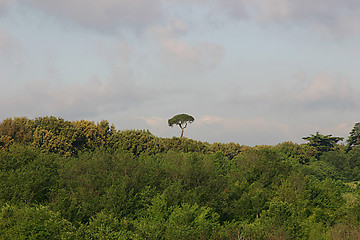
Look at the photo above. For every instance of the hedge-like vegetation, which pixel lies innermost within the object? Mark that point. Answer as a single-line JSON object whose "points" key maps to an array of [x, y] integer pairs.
{"points": [[84, 180]]}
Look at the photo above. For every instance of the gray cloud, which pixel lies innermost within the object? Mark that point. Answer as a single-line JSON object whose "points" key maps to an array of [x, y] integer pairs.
{"points": [[321, 92], [336, 17], [257, 131], [232, 8], [185, 56], [104, 15], [325, 91], [78, 100], [9, 45], [4, 6], [339, 18]]}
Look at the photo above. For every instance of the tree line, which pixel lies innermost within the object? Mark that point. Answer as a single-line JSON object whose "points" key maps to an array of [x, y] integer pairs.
{"points": [[68, 138], [84, 180]]}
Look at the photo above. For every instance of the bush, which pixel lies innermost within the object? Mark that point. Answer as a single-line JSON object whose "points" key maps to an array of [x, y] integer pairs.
{"points": [[25, 222]]}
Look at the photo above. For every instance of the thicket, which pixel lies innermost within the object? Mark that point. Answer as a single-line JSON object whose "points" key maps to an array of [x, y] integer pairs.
{"points": [[84, 180]]}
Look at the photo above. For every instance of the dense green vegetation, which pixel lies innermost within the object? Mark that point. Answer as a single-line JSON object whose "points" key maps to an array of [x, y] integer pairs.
{"points": [[84, 180]]}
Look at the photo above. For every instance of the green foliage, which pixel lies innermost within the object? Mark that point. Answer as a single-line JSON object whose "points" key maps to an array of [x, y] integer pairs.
{"points": [[322, 143], [354, 162], [37, 223], [321, 170], [27, 176], [186, 221], [19, 129], [84, 180], [137, 142], [5, 142], [51, 134], [230, 150], [301, 153], [96, 181], [354, 137], [105, 226], [180, 120], [191, 222]]}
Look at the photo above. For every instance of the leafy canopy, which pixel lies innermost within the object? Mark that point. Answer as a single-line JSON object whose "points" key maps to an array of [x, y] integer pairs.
{"points": [[354, 137], [322, 143], [85, 180], [182, 120]]}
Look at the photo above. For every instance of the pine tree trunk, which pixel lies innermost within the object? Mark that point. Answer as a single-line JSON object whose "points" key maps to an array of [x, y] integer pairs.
{"points": [[182, 132]]}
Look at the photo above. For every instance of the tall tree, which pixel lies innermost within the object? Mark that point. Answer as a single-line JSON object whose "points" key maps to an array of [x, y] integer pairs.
{"points": [[354, 137], [322, 143], [182, 120]]}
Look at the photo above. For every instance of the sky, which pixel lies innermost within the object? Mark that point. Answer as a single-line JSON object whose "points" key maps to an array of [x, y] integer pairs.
{"points": [[253, 72]]}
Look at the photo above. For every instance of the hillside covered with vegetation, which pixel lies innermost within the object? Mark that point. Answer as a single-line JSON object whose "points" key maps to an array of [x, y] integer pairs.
{"points": [[83, 180]]}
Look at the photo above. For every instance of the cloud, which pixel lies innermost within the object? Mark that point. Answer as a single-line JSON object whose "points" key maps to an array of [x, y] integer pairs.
{"points": [[77, 100], [10, 48], [120, 52], [231, 8], [234, 8], [157, 125], [105, 15], [4, 6], [210, 120], [339, 18], [336, 17], [242, 125], [321, 92], [325, 91], [258, 131], [155, 122], [185, 56], [249, 131], [341, 129]]}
